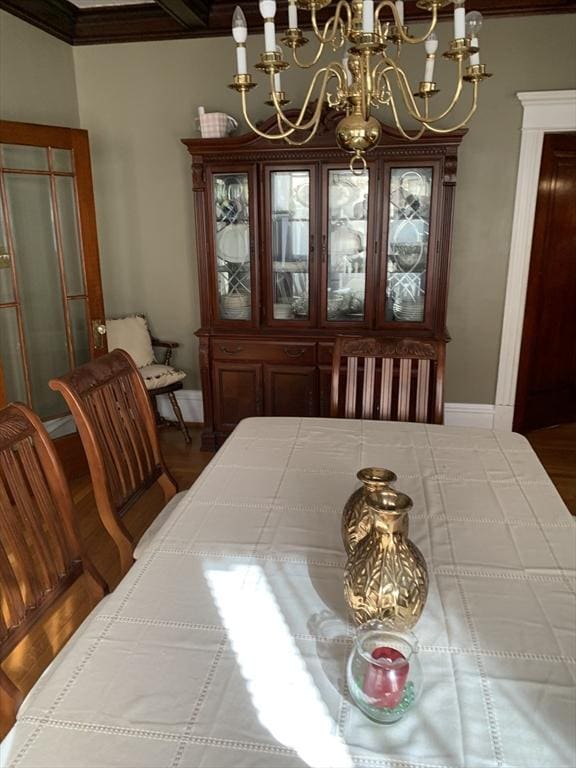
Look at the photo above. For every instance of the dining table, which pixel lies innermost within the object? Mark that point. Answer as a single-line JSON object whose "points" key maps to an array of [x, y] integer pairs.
{"points": [[226, 643]]}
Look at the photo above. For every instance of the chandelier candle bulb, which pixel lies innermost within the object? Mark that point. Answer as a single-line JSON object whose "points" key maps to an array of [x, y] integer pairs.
{"points": [[368, 16], [277, 81], [431, 46], [240, 33], [473, 27], [474, 57], [268, 11], [400, 11], [459, 20], [292, 15]]}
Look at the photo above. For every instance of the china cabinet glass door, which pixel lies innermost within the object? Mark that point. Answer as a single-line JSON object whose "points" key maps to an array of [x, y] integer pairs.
{"points": [[290, 244], [232, 238], [345, 245], [407, 253]]}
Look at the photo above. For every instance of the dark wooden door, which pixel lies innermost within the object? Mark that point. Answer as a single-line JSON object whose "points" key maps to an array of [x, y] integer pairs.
{"points": [[546, 391], [237, 393], [290, 390]]}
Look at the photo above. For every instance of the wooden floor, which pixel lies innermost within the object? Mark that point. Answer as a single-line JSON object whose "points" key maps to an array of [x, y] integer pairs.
{"points": [[556, 448]]}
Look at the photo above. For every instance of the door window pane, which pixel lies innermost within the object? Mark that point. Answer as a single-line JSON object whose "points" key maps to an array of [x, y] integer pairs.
{"points": [[230, 195], [11, 356], [65, 194], [24, 157], [61, 160], [348, 230], [6, 287], [30, 211], [78, 311], [408, 236], [290, 244]]}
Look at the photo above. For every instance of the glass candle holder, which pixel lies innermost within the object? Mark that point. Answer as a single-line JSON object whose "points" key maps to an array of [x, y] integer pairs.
{"points": [[384, 673]]}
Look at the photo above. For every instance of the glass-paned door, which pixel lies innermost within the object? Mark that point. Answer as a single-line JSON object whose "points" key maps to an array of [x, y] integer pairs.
{"points": [[290, 207], [347, 245], [231, 214], [50, 286], [409, 200]]}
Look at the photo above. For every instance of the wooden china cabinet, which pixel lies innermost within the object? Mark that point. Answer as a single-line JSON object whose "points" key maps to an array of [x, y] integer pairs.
{"points": [[294, 249]]}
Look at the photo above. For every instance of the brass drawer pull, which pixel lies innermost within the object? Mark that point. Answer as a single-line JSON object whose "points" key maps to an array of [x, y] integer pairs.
{"points": [[294, 352], [231, 351]]}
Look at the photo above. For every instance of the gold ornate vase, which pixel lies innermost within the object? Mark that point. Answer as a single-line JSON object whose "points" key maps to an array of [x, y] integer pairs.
{"points": [[386, 576], [356, 518]]}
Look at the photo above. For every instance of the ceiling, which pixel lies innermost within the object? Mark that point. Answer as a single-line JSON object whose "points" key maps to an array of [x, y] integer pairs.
{"points": [[85, 22]]}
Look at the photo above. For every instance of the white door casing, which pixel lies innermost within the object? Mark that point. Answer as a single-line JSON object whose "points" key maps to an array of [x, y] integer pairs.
{"points": [[544, 112]]}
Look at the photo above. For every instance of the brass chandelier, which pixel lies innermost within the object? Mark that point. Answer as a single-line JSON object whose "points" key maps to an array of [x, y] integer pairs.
{"points": [[368, 76]]}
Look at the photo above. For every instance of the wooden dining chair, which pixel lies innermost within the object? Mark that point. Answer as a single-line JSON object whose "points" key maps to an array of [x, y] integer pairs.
{"points": [[115, 420], [40, 553], [389, 379]]}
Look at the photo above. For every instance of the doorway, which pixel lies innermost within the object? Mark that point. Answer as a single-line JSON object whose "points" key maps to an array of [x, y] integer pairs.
{"points": [[546, 388]]}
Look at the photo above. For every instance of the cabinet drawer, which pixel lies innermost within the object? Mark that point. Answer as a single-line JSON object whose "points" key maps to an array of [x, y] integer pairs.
{"points": [[265, 351]]}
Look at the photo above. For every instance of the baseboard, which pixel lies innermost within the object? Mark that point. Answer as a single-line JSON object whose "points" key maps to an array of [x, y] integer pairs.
{"points": [[190, 402], [469, 415], [455, 414]]}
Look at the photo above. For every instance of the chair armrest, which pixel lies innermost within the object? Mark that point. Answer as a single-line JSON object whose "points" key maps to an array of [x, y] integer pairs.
{"points": [[168, 346]]}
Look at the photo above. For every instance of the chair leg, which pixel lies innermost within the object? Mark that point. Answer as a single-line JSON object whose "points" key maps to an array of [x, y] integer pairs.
{"points": [[178, 414]]}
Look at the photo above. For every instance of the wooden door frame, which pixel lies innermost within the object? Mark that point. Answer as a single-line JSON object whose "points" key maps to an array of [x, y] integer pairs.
{"points": [[544, 112]]}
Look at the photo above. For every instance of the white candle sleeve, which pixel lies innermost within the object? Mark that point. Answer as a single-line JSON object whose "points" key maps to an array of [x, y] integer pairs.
{"points": [[269, 37], [474, 57], [277, 82], [400, 11], [292, 16], [368, 16], [429, 71], [459, 22], [241, 65]]}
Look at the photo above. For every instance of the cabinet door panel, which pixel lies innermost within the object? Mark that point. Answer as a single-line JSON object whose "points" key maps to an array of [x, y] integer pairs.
{"points": [[290, 224], [407, 268], [233, 204], [237, 393], [290, 390], [348, 207]]}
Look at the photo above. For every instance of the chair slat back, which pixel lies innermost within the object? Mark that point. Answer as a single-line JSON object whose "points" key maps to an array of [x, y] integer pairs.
{"points": [[389, 379], [115, 420], [40, 553]]}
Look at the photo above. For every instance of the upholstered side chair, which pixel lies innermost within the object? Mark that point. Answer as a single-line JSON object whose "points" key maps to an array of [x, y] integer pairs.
{"points": [[131, 334], [391, 379], [41, 556]]}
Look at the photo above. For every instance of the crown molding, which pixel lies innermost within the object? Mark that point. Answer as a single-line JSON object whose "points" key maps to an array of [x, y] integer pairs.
{"points": [[172, 19]]}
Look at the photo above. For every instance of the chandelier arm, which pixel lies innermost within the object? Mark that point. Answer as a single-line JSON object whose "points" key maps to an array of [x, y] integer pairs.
{"points": [[296, 142], [326, 73], [323, 42], [307, 65], [463, 122], [455, 97], [400, 27], [271, 136], [405, 91], [335, 21], [411, 137]]}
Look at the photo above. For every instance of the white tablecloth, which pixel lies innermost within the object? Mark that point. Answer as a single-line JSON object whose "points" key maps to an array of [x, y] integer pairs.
{"points": [[225, 645]]}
